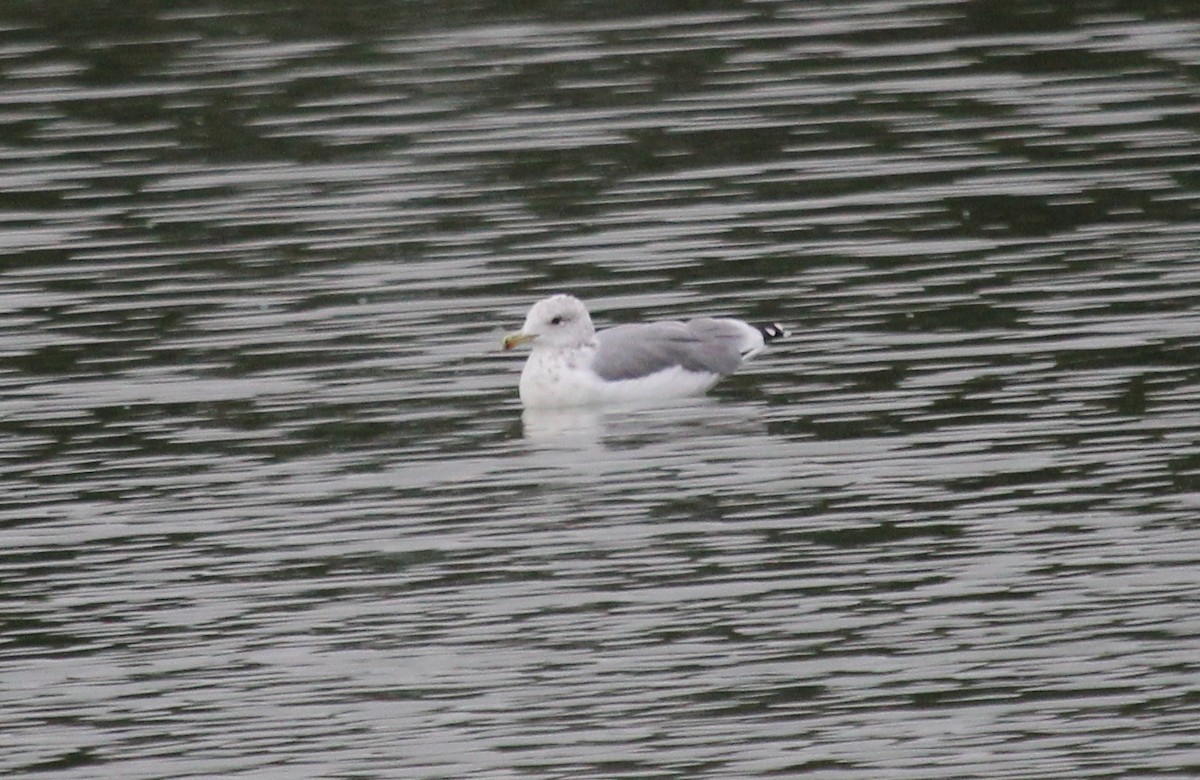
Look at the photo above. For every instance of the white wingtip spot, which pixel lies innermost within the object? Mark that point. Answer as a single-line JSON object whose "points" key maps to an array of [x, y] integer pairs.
{"points": [[773, 331]]}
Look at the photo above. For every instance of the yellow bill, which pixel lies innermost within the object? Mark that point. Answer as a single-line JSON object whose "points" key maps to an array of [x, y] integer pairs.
{"points": [[516, 339]]}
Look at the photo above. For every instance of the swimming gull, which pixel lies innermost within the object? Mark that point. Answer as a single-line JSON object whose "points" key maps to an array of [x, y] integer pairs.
{"points": [[570, 364]]}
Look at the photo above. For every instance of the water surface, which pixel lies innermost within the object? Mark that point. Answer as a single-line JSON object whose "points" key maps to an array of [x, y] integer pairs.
{"points": [[270, 506]]}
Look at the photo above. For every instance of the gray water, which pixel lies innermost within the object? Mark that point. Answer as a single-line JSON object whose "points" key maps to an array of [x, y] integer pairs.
{"points": [[270, 506]]}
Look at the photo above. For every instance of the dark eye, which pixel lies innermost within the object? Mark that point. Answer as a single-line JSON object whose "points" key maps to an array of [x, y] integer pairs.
{"points": [[556, 320]]}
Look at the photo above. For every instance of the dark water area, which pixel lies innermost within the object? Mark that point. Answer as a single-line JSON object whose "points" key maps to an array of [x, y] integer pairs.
{"points": [[269, 506]]}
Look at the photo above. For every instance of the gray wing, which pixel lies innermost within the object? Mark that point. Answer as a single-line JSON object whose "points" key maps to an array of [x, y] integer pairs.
{"points": [[633, 351]]}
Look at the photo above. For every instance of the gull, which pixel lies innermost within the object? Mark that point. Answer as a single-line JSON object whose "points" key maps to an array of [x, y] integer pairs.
{"points": [[571, 365]]}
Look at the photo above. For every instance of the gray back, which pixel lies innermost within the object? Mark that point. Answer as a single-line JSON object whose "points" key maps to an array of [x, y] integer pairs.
{"points": [[701, 345]]}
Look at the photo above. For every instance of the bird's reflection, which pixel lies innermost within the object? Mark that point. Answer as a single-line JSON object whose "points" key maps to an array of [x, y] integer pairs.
{"points": [[620, 427]]}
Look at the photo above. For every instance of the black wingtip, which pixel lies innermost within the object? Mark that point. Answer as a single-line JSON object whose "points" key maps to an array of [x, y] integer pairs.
{"points": [[772, 331]]}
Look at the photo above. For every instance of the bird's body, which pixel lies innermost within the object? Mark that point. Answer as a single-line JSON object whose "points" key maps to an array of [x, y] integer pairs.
{"points": [[572, 365]]}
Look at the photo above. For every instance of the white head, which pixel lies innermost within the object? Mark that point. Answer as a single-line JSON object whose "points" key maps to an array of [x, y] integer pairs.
{"points": [[558, 322]]}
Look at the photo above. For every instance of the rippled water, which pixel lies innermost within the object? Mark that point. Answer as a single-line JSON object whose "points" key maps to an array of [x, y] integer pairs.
{"points": [[271, 507]]}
